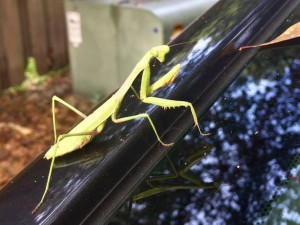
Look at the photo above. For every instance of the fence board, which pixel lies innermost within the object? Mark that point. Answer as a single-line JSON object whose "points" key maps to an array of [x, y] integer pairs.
{"points": [[24, 29], [4, 82], [12, 40], [38, 34], [31, 28], [56, 25]]}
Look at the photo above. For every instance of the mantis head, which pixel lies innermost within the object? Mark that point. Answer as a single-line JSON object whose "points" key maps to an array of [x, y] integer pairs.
{"points": [[159, 52]]}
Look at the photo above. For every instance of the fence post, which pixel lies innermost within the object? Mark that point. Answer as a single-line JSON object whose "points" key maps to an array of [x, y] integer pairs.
{"points": [[11, 46]]}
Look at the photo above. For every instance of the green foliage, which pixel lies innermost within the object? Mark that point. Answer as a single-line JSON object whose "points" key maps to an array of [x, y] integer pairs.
{"points": [[32, 77]]}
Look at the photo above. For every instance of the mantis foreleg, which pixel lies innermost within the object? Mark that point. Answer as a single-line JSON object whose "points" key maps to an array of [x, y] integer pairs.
{"points": [[167, 79], [147, 90]]}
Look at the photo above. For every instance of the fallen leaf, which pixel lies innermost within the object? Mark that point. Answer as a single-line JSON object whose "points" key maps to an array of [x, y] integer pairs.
{"points": [[21, 129], [291, 33]]}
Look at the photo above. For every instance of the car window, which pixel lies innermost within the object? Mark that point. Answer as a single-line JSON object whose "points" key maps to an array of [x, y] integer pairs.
{"points": [[247, 170]]}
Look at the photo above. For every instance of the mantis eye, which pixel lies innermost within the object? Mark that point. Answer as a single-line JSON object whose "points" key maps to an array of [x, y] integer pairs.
{"points": [[154, 52]]}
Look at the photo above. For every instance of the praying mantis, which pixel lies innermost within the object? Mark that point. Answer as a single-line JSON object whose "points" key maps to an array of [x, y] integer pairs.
{"points": [[94, 123]]}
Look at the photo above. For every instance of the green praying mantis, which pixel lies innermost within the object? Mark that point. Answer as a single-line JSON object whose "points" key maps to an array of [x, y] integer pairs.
{"points": [[94, 123]]}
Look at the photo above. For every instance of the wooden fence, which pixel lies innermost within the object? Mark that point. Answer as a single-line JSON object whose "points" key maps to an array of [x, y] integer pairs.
{"points": [[31, 28]]}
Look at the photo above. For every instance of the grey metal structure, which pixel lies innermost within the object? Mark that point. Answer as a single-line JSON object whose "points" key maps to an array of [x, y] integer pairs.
{"points": [[107, 38]]}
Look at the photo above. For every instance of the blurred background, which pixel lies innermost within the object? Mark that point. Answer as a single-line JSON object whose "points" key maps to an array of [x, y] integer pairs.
{"points": [[61, 47]]}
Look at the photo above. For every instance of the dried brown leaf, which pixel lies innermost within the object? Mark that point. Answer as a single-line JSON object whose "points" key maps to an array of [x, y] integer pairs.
{"points": [[291, 33]]}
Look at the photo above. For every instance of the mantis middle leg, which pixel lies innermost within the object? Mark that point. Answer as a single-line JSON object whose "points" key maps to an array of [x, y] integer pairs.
{"points": [[139, 116]]}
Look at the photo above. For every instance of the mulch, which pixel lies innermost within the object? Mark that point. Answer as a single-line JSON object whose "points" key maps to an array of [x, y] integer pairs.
{"points": [[26, 128]]}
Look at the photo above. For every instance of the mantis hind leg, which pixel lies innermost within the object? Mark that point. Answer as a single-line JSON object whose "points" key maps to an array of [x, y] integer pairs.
{"points": [[60, 137], [57, 140], [57, 99]]}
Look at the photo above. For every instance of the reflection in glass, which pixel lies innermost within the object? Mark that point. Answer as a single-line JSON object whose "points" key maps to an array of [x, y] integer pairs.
{"points": [[253, 154], [177, 177]]}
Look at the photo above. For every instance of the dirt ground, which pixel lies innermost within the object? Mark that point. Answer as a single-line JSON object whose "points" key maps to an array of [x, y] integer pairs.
{"points": [[26, 122]]}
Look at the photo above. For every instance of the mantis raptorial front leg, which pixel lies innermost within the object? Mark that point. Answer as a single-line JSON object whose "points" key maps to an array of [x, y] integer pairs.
{"points": [[94, 123], [165, 182], [147, 90]]}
